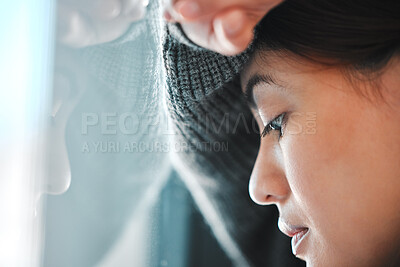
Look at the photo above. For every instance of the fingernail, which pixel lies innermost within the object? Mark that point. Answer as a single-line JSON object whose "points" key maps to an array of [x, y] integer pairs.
{"points": [[188, 9], [232, 23]]}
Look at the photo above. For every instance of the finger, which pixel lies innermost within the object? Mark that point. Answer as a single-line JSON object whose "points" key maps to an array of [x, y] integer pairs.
{"points": [[168, 17], [200, 33], [235, 28], [134, 9], [194, 9], [170, 13], [232, 31], [211, 34], [187, 10], [72, 28], [104, 9], [190, 10]]}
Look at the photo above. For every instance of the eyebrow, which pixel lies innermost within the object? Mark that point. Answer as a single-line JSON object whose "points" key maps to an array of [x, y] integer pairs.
{"points": [[253, 82]]}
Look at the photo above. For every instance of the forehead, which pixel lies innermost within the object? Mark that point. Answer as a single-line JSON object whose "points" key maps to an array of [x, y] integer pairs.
{"points": [[289, 70]]}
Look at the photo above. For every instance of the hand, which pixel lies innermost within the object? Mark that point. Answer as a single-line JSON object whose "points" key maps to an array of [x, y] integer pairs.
{"points": [[224, 26], [89, 22]]}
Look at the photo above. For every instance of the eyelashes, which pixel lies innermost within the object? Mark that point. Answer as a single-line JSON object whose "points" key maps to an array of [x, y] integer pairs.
{"points": [[276, 124]]}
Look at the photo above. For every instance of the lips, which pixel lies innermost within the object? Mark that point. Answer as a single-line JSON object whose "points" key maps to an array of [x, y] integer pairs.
{"points": [[296, 240], [297, 233]]}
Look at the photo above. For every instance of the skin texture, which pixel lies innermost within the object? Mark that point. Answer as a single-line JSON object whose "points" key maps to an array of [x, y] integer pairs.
{"points": [[338, 175]]}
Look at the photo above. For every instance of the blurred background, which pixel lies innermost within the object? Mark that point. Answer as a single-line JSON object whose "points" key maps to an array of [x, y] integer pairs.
{"points": [[86, 177]]}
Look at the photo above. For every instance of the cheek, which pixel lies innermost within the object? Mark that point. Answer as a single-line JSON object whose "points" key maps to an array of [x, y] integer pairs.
{"points": [[339, 177], [316, 159], [316, 168], [313, 162]]}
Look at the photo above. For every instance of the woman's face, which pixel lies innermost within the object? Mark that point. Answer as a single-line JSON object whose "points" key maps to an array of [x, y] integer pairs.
{"points": [[331, 163]]}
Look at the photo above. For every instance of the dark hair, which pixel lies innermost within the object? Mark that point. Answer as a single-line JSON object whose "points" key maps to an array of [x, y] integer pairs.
{"points": [[359, 35]]}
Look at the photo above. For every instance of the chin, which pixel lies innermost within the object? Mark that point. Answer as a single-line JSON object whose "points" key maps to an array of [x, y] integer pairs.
{"points": [[319, 259]]}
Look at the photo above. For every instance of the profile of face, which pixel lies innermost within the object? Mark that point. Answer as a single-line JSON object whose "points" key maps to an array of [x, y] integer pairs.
{"points": [[69, 83], [328, 159], [79, 24], [57, 176]]}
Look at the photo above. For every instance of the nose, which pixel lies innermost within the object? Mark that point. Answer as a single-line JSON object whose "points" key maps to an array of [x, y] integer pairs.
{"points": [[268, 183]]}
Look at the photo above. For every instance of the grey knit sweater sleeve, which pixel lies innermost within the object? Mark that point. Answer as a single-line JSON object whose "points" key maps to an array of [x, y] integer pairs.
{"points": [[220, 144]]}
